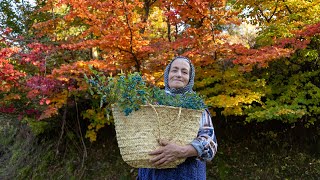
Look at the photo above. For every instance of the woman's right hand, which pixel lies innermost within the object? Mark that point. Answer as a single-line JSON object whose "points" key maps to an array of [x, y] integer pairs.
{"points": [[169, 152]]}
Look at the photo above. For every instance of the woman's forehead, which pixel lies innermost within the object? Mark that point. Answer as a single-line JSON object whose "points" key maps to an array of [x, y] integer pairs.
{"points": [[181, 64]]}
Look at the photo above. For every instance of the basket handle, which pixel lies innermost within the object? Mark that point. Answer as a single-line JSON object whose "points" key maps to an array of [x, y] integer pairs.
{"points": [[159, 134], [177, 119], [159, 123]]}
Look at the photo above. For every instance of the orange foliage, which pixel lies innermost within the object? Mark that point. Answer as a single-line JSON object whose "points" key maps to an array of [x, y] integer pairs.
{"points": [[283, 47], [122, 36], [119, 29], [9, 76]]}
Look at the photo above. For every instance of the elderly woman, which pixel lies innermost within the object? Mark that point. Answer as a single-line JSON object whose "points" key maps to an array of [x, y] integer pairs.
{"points": [[179, 79]]}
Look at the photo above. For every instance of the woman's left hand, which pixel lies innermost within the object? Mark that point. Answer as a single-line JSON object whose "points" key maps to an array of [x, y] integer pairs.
{"points": [[167, 153]]}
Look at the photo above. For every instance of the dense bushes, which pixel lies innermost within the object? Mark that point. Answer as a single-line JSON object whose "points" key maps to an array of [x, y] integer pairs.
{"points": [[268, 150]]}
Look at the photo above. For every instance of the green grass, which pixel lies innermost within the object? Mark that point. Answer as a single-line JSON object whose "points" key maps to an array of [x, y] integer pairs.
{"points": [[254, 155], [239, 161]]}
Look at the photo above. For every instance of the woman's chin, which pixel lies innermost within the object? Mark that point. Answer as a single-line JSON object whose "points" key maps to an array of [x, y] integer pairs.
{"points": [[177, 87]]}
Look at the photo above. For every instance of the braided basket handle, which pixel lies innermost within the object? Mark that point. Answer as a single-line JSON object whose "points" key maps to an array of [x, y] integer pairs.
{"points": [[159, 122]]}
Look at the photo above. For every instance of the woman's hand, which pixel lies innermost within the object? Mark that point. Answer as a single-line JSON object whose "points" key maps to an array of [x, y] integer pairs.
{"points": [[169, 152]]}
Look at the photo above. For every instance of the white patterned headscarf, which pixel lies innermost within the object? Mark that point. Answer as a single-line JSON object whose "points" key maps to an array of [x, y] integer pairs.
{"points": [[188, 87]]}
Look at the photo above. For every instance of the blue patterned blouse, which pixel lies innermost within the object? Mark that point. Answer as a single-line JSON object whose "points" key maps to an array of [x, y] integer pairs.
{"points": [[194, 168]]}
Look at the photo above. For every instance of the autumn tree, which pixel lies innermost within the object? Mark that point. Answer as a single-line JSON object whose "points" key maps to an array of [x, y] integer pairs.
{"points": [[143, 35], [278, 18], [10, 77], [293, 81], [239, 85], [124, 35], [263, 61]]}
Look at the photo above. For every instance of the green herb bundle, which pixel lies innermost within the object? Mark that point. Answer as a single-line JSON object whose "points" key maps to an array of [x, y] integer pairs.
{"points": [[130, 91]]}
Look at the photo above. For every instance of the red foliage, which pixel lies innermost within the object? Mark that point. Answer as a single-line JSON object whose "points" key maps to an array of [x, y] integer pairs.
{"points": [[30, 113], [283, 47], [309, 31], [8, 109], [8, 75], [42, 85], [37, 55]]}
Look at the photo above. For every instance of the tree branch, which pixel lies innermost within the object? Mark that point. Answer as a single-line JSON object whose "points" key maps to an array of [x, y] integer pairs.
{"points": [[287, 7], [168, 25], [268, 19], [275, 9], [147, 5], [131, 39]]}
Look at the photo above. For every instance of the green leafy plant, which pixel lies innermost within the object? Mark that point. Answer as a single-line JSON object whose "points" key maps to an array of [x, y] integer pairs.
{"points": [[130, 91]]}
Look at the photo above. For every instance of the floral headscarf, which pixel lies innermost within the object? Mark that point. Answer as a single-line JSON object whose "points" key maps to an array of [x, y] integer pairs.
{"points": [[188, 87]]}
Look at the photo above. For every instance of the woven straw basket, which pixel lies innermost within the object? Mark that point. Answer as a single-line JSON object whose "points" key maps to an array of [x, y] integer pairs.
{"points": [[138, 133]]}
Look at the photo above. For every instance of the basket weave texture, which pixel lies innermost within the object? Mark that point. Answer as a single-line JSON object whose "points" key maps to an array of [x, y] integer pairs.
{"points": [[138, 133]]}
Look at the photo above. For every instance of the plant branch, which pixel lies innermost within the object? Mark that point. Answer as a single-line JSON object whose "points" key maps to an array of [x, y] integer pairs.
{"points": [[62, 127], [85, 153]]}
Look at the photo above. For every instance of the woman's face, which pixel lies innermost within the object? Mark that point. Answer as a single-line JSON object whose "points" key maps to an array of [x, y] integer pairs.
{"points": [[179, 74]]}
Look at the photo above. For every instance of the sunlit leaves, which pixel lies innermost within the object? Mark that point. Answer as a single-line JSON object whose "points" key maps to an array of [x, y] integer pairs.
{"points": [[97, 119], [294, 83], [233, 92], [9, 75], [283, 47], [278, 18]]}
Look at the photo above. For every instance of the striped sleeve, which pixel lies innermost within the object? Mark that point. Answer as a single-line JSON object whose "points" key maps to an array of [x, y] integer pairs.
{"points": [[206, 142]]}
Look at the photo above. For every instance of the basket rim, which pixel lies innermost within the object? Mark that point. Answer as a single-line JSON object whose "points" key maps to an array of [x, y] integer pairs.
{"points": [[164, 106]]}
